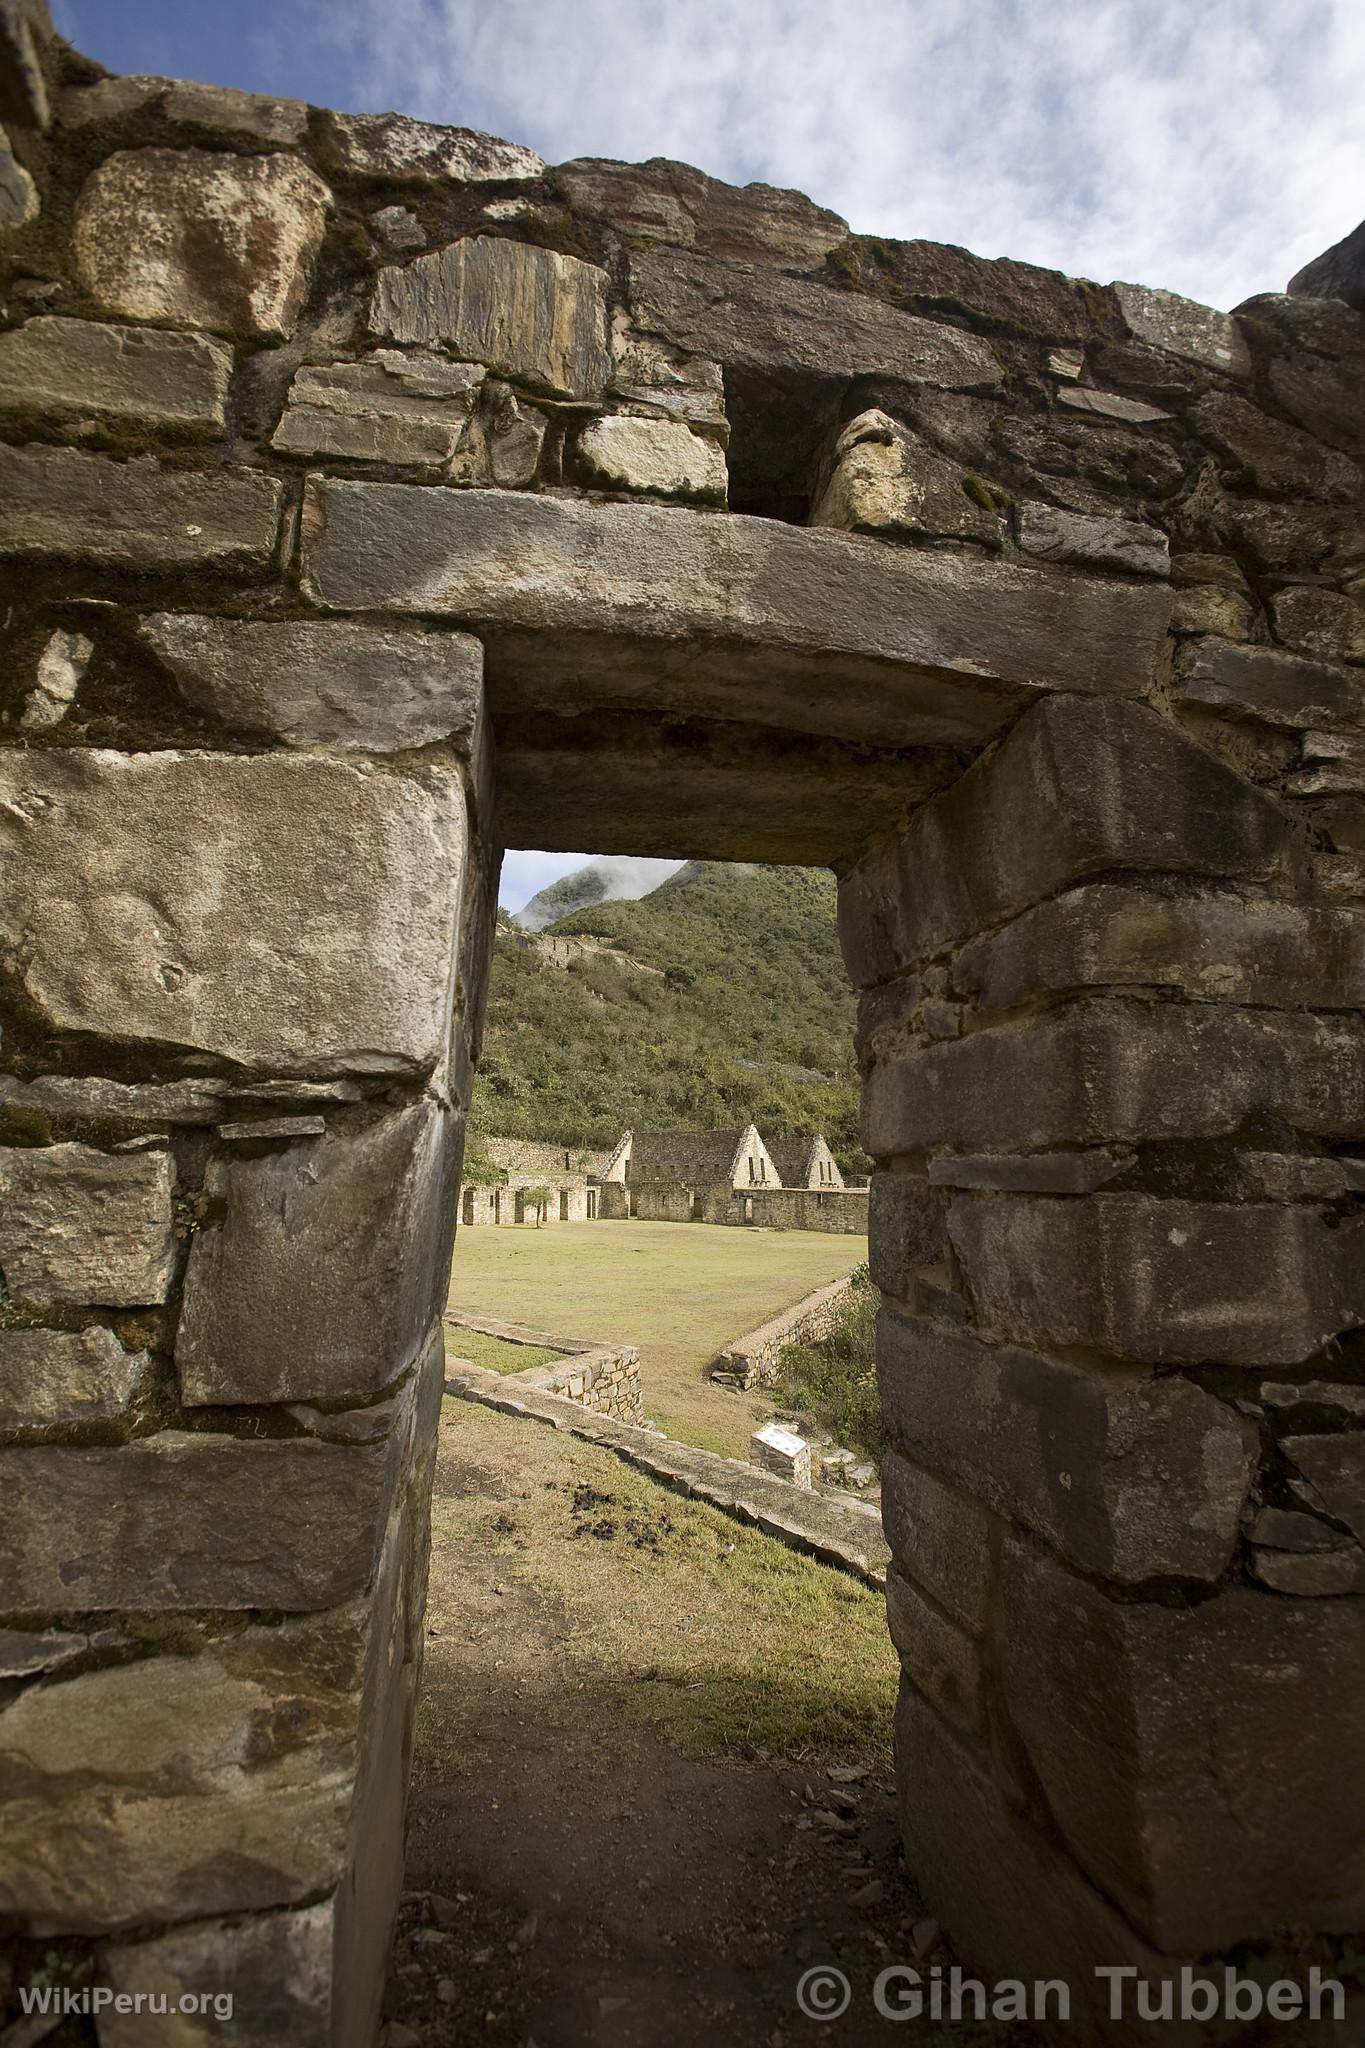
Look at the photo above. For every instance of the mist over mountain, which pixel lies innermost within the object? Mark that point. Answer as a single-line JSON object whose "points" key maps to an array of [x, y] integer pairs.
{"points": [[611, 877]]}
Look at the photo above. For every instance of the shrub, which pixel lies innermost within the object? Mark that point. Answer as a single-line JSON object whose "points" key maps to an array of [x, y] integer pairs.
{"points": [[835, 1380]]}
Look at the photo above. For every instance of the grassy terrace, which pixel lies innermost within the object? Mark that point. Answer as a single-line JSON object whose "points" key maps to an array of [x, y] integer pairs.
{"points": [[677, 1291]]}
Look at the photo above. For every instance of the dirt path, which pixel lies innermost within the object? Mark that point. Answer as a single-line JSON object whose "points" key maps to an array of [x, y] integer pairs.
{"points": [[585, 1867]]}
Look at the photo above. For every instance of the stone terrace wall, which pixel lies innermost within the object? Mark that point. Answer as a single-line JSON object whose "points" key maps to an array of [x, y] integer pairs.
{"points": [[596, 1374], [753, 1359]]}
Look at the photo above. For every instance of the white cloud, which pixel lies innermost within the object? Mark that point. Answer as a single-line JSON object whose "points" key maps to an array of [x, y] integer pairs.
{"points": [[1211, 146], [524, 875]]}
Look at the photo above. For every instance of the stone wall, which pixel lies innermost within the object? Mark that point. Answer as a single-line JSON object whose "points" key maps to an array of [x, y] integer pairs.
{"points": [[753, 1359], [842, 1210], [342, 458], [596, 1373]]}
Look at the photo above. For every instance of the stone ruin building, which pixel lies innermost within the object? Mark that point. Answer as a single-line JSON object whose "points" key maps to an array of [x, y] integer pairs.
{"points": [[371, 496], [730, 1177]]}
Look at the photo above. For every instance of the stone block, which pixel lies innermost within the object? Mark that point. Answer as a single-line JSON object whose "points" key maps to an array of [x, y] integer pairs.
{"points": [[1206, 1765], [398, 228], [660, 201], [1321, 623], [226, 111], [1129, 1476], [1100, 1073], [85, 1227], [1209, 608], [198, 901], [907, 1228], [751, 317], [772, 1448], [1279, 459], [201, 238], [59, 503], [323, 1266], [234, 1771], [277, 1965], [394, 406], [1232, 948], [650, 377], [924, 648], [535, 316], [1184, 328], [49, 1377], [662, 458], [24, 26], [1160, 1282], [88, 1096], [1271, 686], [941, 1538], [402, 151], [1325, 1575], [1109, 406], [1339, 273], [1030, 1173], [884, 480], [1127, 545], [939, 1658], [1334, 1467], [311, 683], [999, 292], [77, 370], [1077, 787], [18, 193], [185, 1520], [502, 442], [61, 669]]}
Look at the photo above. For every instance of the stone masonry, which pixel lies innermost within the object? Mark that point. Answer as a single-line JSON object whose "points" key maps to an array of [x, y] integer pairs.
{"points": [[356, 474]]}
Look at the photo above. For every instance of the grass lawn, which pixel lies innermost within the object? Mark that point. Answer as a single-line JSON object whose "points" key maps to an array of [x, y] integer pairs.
{"points": [[496, 1353], [677, 1291]]}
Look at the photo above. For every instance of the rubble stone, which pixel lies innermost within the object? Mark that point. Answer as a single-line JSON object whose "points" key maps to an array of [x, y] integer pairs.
{"points": [[398, 228], [401, 150], [1129, 1476], [60, 503], [393, 406], [1279, 459], [18, 193], [1184, 328], [1266, 684], [1334, 1467], [201, 238], [885, 481], [279, 1966], [315, 683], [155, 899], [23, 87], [652, 378], [61, 369], [663, 458], [533, 315], [1055, 535], [1323, 623], [1012, 296], [61, 666], [1109, 405], [503, 441], [51, 1376], [82, 1226]]}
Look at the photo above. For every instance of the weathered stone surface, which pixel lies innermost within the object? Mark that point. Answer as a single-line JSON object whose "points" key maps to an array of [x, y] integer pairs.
{"points": [[397, 148], [18, 193], [229, 112], [1339, 1398], [1287, 1529], [1323, 623], [393, 406], [1211, 608], [1109, 406], [24, 1652], [886, 481], [1102, 1072], [1323, 1575], [536, 316], [914, 641], [324, 1266], [1076, 788], [744, 315], [188, 1520], [61, 369], [663, 458], [1334, 1466], [23, 86], [1227, 1799], [502, 442], [1130, 1476], [661, 201], [1184, 328], [1228, 947], [110, 99], [907, 1228], [197, 900], [78, 1096], [650, 377], [134, 515], [1030, 1173], [1339, 273], [82, 1226], [279, 1967], [1288, 1177], [1279, 459], [939, 1537], [234, 1772], [1002, 292], [398, 228], [1274, 687], [52, 1376], [1125, 544], [936, 1655], [1161, 1282], [61, 666], [313, 682]]}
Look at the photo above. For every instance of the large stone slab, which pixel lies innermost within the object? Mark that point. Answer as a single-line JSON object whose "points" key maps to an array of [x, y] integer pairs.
{"points": [[1279, 459], [749, 316], [352, 686], [1129, 1476], [287, 914], [820, 632], [1273, 687], [1206, 1765], [536, 316], [1229, 947], [660, 201], [324, 1265], [400, 150], [1076, 788], [82, 1226], [1339, 273], [1100, 1072], [662, 458], [59, 503], [1184, 328], [201, 238], [188, 1520], [57, 1376], [394, 406], [1161, 1282], [57, 369], [279, 1967]]}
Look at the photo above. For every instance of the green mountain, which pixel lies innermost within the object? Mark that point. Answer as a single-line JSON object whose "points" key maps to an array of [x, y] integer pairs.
{"points": [[717, 999]]}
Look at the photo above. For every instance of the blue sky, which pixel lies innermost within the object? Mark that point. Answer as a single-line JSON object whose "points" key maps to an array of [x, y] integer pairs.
{"points": [[1210, 146]]}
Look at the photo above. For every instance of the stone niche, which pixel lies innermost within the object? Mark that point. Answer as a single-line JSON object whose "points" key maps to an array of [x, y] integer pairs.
{"points": [[363, 493]]}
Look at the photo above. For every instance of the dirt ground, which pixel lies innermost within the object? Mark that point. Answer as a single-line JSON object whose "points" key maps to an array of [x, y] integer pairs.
{"points": [[598, 1857]]}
